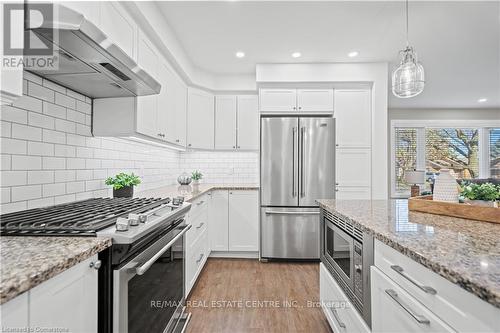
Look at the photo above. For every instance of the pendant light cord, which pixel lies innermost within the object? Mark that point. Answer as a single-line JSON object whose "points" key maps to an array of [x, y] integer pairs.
{"points": [[407, 43]]}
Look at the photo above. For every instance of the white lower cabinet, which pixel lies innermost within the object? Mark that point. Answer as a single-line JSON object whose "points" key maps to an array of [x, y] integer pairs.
{"points": [[243, 220], [218, 211], [395, 310], [340, 313], [68, 302]]}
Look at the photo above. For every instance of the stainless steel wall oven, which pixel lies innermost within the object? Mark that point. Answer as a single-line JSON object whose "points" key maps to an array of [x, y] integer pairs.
{"points": [[347, 252]]}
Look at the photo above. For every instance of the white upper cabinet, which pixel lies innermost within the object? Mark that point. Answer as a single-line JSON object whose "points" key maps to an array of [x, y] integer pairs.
{"points": [[278, 100], [147, 106], [353, 114], [296, 100], [225, 122], [248, 122], [177, 126], [166, 103], [200, 126], [118, 26], [243, 220], [320, 100]]}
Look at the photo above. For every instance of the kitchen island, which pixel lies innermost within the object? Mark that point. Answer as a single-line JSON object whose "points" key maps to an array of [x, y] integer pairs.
{"points": [[450, 265]]}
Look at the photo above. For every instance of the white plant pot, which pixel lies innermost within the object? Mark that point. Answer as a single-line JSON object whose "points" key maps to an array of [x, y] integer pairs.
{"points": [[446, 187]]}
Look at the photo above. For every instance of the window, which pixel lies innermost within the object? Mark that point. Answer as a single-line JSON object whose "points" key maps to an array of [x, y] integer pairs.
{"points": [[469, 149]]}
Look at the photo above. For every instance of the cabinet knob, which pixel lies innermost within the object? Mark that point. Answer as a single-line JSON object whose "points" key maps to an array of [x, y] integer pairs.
{"points": [[95, 265], [337, 184], [238, 147], [336, 145], [300, 107], [295, 108], [189, 145], [234, 147], [177, 140]]}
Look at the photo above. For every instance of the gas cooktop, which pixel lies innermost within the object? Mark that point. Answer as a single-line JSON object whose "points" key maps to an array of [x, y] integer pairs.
{"points": [[81, 218]]}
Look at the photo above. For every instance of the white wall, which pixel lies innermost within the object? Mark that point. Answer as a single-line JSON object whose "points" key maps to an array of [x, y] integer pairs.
{"points": [[444, 114]]}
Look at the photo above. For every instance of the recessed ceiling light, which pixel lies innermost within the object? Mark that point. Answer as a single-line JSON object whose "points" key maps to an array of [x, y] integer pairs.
{"points": [[482, 100], [240, 54], [353, 54], [296, 54]]}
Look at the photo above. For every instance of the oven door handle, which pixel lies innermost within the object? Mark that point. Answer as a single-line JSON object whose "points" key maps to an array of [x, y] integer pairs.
{"points": [[144, 267]]}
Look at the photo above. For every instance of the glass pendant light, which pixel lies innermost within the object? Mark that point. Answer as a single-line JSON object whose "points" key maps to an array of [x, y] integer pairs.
{"points": [[408, 78]]}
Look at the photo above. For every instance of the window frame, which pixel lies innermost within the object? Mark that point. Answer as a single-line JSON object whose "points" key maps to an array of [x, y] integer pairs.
{"points": [[421, 125]]}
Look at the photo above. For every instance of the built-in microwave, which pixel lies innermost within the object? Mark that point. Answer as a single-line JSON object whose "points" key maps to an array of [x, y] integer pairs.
{"points": [[347, 253]]}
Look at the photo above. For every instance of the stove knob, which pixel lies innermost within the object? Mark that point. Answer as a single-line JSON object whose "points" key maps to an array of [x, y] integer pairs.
{"points": [[133, 219], [121, 224], [143, 218]]}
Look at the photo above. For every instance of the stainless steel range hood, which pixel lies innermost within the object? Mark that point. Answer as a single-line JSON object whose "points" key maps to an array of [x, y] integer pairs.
{"points": [[89, 62]]}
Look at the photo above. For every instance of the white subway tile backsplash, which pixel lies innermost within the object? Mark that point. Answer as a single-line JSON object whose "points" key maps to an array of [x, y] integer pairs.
{"points": [[40, 177], [12, 114], [65, 126], [26, 132], [13, 178], [29, 192], [65, 101], [54, 163], [61, 162], [21, 162], [38, 91], [40, 148], [39, 120], [54, 110], [53, 136], [50, 190]]}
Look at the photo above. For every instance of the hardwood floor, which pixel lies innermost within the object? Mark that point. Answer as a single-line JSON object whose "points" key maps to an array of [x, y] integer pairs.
{"points": [[226, 297]]}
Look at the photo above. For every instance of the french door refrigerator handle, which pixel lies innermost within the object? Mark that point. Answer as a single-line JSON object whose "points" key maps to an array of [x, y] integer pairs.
{"points": [[294, 192], [302, 162]]}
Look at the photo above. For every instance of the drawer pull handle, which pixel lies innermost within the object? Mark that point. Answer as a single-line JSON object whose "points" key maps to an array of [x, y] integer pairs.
{"points": [[401, 272], [201, 202], [337, 318], [200, 225], [201, 257], [419, 318]]}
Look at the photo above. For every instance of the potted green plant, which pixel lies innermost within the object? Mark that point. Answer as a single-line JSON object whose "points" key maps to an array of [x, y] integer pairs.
{"points": [[123, 184], [486, 194], [196, 176]]}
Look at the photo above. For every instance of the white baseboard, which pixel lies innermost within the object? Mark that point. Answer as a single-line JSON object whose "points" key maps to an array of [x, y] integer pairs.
{"points": [[235, 254]]}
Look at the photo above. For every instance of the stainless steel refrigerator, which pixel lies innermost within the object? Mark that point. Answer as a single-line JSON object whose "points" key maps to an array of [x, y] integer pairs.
{"points": [[297, 166]]}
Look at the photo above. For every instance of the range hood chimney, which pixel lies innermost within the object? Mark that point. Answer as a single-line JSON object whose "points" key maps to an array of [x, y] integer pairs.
{"points": [[89, 62]]}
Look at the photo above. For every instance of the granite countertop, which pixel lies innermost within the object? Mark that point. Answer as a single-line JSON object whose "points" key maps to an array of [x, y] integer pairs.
{"points": [[28, 261], [465, 252], [191, 192]]}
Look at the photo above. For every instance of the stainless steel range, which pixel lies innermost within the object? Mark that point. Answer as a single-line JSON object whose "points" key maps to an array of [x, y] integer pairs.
{"points": [[141, 279]]}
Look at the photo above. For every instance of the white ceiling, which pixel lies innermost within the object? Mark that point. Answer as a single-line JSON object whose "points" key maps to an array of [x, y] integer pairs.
{"points": [[457, 42]]}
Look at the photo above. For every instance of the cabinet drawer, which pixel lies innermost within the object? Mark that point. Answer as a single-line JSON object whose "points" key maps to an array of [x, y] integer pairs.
{"points": [[199, 225], [341, 314], [394, 310], [196, 256], [460, 309], [198, 205]]}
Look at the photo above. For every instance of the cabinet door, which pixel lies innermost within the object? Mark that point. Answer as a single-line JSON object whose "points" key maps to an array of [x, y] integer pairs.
{"points": [[353, 167], [68, 300], [353, 193], [200, 119], [118, 26], [353, 114], [147, 107], [166, 103], [14, 313], [248, 123], [319, 100], [406, 313], [243, 221], [180, 112], [218, 220], [278, 100], [225, 122]]}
